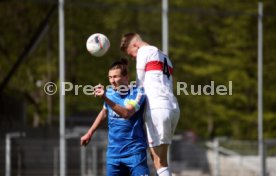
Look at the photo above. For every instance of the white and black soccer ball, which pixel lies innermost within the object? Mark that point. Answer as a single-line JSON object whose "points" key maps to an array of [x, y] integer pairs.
{"points": [[97, 44]]}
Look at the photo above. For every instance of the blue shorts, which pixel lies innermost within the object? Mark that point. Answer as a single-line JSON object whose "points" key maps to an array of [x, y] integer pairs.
{"points": [[134, 165]]}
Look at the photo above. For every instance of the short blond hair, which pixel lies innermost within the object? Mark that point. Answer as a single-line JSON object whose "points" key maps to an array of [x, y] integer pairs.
{"points": [[126, 39]]}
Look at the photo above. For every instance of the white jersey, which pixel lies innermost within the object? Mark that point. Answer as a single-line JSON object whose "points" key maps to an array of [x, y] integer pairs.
{"points": [[154, 72]]}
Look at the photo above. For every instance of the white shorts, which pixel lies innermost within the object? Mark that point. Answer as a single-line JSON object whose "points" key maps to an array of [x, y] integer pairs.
{"points": [[160, 125]]}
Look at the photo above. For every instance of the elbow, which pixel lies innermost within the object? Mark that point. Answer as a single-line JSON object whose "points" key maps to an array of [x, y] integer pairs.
{"points": [[126, 115]]}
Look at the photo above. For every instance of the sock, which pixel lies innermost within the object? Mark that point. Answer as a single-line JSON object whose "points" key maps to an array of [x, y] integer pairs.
{"points": [[164, 171]]}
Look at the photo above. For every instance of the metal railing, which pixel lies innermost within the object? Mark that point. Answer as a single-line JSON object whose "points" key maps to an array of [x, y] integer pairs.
{"points": [[40, 156]]}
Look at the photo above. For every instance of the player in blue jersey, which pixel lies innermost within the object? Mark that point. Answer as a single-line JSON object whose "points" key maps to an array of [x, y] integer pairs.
{"points": [[123, 107]]}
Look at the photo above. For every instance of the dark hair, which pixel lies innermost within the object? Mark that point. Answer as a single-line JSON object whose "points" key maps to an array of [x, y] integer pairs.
{"points": [[122, 65]]}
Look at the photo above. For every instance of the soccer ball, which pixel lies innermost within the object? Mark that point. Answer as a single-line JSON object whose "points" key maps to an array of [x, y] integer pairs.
{"points": [[97, 44]]}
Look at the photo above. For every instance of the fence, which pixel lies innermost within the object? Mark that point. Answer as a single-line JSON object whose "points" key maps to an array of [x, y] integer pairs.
{"points": [[32, 157]]}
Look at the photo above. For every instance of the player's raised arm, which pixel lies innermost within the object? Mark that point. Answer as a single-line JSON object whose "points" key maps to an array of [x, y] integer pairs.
{"points": [[124, 112], [100, 118], [131, 105]]}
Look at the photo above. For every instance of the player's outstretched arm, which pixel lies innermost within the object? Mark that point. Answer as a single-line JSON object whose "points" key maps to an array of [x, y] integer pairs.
{"points": [[100, 118], [125, 112], [130, 107]]}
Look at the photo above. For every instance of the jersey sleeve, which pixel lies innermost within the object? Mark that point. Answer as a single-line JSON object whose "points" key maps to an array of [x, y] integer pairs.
{"points": [[138, 100], [140, 77], [142, 57], [141, 61]]}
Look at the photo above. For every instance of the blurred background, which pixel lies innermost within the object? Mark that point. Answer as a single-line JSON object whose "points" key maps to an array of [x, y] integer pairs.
{"points": [[208, 41]]}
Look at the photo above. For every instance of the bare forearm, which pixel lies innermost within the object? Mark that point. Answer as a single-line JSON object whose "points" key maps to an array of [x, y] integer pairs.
{"points": [[100, 118], [121, 111]]}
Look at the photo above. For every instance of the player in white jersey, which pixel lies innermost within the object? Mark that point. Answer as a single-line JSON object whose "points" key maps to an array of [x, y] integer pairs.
{"points": [[154, 72]]}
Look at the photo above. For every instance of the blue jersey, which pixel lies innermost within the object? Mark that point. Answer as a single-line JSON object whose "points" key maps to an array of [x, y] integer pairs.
{"points": [[126, 136]]}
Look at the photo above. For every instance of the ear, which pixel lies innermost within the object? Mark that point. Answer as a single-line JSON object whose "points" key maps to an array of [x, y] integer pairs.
{"points": [[135, 44]]}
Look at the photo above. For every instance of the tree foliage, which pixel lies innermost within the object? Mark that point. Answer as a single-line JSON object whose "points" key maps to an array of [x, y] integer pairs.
{"points": [[208, 41]]}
